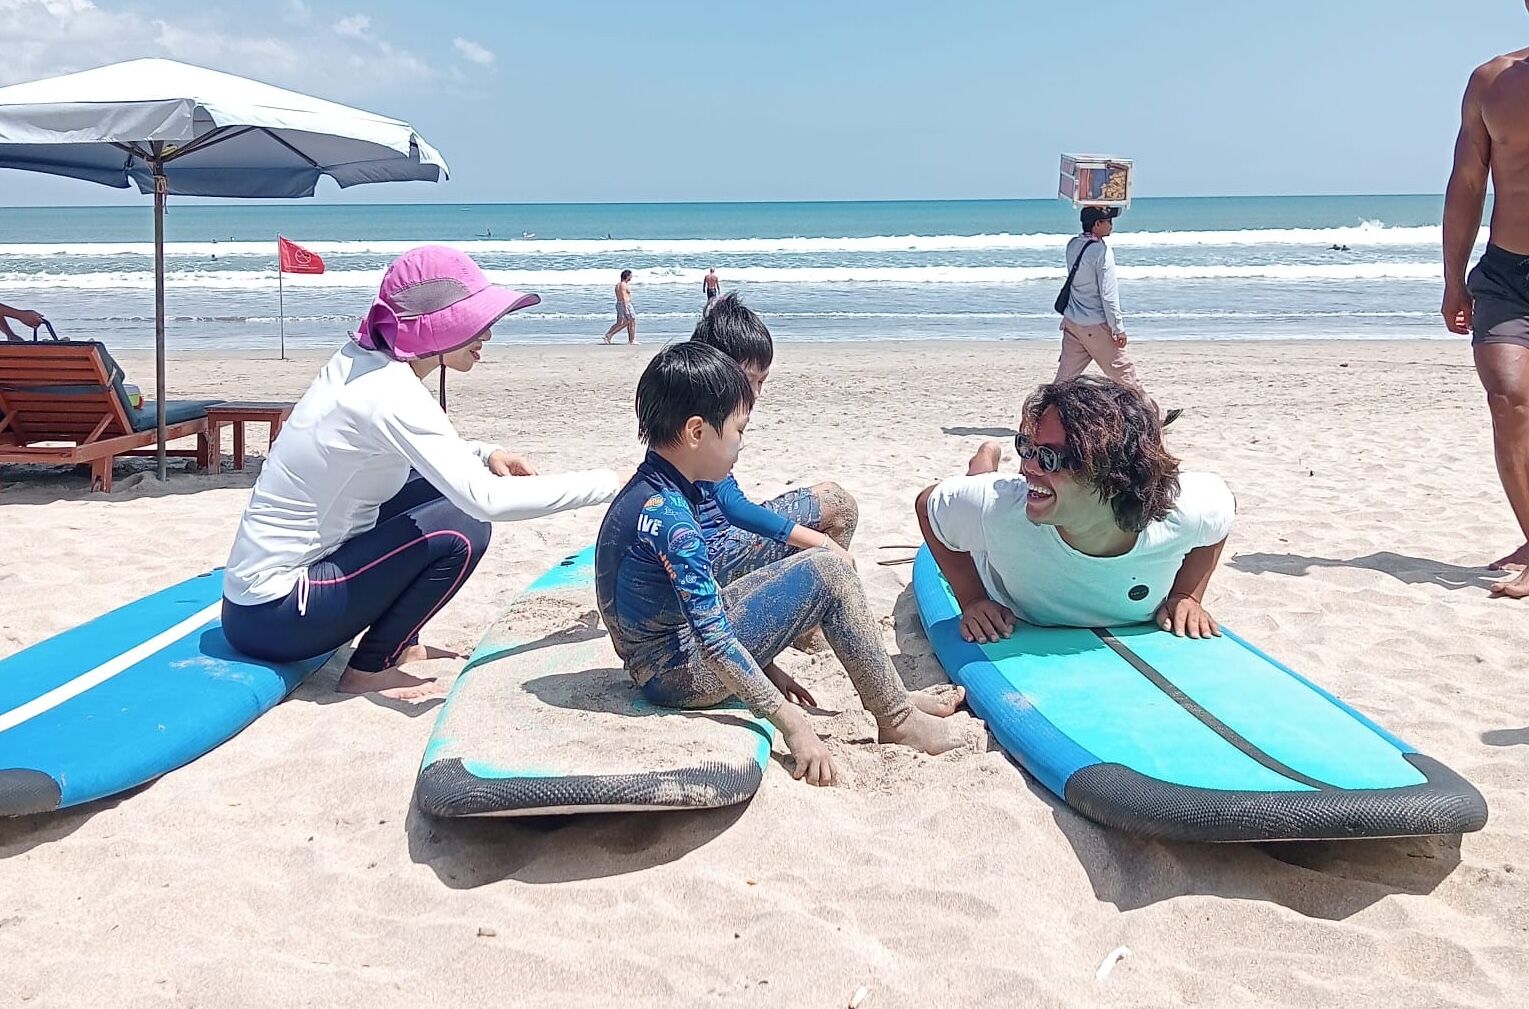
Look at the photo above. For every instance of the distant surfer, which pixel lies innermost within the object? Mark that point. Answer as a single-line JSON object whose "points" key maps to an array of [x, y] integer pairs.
{"points": [[1492, 303], [1097, 529]]}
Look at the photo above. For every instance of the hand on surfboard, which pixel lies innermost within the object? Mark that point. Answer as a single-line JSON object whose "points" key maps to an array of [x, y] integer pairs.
{"points": [[984, 621], [1185, 617]]}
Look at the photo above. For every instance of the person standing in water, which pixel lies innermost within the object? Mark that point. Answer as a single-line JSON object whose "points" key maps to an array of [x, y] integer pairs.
{"points": [[625, 318], [1492, 303], [712, 285]]}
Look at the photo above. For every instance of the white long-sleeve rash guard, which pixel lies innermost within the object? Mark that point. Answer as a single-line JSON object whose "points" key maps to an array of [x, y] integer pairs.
{"points": [[348, 447]]}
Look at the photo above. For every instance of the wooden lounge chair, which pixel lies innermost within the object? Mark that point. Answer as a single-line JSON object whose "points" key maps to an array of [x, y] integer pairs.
{"points": [[63, 403]]}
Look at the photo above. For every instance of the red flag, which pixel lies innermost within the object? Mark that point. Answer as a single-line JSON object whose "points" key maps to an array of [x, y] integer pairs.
{"points": [[296, 259]]}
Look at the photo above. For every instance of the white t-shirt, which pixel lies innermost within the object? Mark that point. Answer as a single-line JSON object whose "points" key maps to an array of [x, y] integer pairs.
{"points": [[1031, 569], [348, 447]]}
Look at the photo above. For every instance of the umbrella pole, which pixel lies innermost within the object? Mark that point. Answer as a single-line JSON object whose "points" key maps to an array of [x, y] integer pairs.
{"points": [[443, 383], [159, 314]]}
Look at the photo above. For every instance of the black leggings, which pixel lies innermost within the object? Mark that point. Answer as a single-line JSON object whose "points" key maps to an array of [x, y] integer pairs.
{"points": [[388, 581]]}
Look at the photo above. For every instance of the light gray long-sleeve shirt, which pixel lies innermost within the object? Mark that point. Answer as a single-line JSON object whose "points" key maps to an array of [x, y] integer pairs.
{"points": [[1095, 297]]}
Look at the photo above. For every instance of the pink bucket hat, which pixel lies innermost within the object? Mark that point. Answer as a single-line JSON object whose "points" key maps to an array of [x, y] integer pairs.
{"points": [[434, 300]]}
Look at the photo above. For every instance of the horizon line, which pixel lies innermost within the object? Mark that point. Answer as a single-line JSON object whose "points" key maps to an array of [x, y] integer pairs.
{"points": [[225, 202]]}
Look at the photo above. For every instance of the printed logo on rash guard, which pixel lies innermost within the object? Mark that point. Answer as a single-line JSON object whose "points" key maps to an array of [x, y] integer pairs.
{"points": [[685, 541], [1138, 592]]}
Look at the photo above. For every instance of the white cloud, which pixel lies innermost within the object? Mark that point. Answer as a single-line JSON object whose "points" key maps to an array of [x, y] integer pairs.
{"points": [[357, 26], [473, 52], [295, 49]]}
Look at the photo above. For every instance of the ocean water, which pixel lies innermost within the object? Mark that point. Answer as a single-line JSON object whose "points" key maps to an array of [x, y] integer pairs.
{"points": [[1190, 268]]}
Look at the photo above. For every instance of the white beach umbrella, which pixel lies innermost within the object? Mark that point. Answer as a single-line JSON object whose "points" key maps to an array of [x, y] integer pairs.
{"points": [[178, 129]]}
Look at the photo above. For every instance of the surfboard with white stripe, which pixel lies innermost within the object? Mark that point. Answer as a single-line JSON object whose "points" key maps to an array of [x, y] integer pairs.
{"points": [[133, 694]]}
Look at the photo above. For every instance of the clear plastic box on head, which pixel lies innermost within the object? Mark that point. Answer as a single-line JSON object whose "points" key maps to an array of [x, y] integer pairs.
{"points": [[1095, 180]]}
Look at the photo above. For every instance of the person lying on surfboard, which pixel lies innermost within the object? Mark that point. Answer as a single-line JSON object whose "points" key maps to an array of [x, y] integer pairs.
{"points": [[1098, 528], [689, 643], [371, 512]]}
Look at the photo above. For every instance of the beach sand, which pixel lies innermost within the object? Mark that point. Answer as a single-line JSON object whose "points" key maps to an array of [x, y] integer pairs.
{"points": [[289, 868]]}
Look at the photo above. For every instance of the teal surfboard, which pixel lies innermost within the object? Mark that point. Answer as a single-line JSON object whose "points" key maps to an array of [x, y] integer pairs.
{"points": [[544, 719], [1202, 740], [127, 697]]}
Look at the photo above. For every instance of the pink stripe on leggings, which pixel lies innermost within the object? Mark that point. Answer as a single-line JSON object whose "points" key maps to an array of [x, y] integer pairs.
{"points": [[393, 553]]}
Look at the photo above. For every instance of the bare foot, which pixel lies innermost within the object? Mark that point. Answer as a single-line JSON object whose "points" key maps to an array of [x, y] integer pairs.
{"points": [[391, 682], [418, 653], [940, 700], [1516, 561], [986, 459], [922, 731], [1512, 588]]}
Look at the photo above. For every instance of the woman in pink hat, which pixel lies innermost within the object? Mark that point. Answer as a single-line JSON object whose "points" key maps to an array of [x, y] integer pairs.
{"points": [[371, 512]]}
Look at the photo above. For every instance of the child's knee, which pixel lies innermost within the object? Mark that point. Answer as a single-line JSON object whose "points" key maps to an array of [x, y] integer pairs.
{"points": [[838, 507]]}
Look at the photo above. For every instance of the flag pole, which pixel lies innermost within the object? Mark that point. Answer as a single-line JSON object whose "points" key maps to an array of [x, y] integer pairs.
{"points": [[281, 307]]}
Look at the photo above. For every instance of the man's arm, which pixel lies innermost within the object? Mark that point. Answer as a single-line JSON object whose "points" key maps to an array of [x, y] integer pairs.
{"points": [[24, 316], [1463, 201], [1109, 290], [982, 619]]}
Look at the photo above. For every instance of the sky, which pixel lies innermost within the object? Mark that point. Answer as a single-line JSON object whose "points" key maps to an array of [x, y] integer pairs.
{"points": [[586, 101]]}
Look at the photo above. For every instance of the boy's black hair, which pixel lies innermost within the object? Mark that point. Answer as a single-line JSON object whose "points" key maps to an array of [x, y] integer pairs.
{"points": [[687, 380], [734, 329], [626, 274]]}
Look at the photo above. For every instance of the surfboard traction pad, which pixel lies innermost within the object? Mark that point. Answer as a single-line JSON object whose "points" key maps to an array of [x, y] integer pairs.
{"points": [[1117, 796], [24, 791], [554, 724]]}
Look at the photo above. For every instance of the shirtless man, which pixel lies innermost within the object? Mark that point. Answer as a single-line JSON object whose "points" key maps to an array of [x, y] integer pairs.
{"points": [[625, 318], [1493, 303]]}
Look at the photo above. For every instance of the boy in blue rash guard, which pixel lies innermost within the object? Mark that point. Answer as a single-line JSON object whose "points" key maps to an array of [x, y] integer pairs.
{"points": [[689, 643], [740, 534]]}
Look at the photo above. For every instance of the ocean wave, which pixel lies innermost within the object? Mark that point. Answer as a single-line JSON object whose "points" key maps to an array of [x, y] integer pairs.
{"points": [[1367, 234], [535, 316], [251, 280]]}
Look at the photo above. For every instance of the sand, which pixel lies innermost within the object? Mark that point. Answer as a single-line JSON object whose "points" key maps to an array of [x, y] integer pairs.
{"points": [[288, 867]]}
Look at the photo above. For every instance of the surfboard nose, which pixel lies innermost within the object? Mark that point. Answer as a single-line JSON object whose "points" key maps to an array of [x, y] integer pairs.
{"points": [[24, 791]]}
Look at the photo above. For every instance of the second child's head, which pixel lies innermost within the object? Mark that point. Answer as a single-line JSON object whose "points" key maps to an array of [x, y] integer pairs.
{"points": [[693, 402], [734, 329]]}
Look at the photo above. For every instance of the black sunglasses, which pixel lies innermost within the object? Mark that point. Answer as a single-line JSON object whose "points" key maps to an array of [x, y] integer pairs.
{"points": [[1051, 459]]}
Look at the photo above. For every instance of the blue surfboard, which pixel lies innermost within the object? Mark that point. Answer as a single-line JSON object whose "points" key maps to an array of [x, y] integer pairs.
{"points": [[130, 696], [1184, 739]]}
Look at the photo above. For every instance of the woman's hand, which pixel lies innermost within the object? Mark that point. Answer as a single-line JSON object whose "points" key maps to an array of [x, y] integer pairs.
{"points": [[502, 463], [1185, 617], [985, 620]]}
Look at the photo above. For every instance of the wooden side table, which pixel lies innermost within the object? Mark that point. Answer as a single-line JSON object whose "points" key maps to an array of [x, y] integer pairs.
{"points": [[236, 415]]}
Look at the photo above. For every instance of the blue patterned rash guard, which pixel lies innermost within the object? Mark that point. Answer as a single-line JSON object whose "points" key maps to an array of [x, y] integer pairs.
{"points": [[724, 504], [656, 592]]}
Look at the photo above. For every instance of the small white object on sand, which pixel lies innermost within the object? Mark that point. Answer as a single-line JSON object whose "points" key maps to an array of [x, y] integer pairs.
{"points": [[861, 994], [1116, 955]]}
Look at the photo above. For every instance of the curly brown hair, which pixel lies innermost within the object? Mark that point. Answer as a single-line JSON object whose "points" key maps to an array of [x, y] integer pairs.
{"points": [[1114, 433]]}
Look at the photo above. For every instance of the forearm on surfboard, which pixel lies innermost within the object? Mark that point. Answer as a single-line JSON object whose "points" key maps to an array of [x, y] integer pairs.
{"points": [[1194, 574], [958, 567]]}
